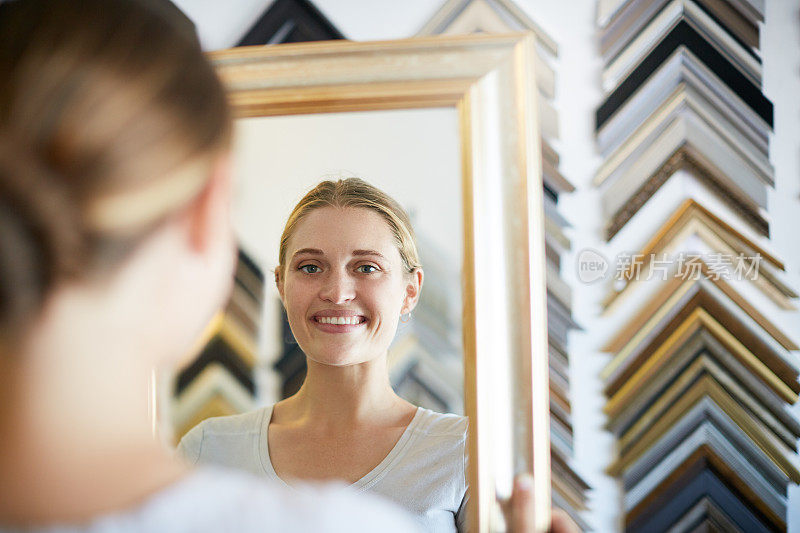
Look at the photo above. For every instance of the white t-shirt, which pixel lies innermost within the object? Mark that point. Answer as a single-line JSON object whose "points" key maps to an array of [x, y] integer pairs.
{"points": [[215, 500], [425, 472]]}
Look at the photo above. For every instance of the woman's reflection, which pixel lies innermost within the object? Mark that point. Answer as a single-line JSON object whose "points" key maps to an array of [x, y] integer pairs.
{"points": [[349, 272]]}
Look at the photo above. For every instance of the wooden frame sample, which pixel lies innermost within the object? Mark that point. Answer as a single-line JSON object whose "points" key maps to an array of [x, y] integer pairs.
{"points": [[691, 218], [702, 347], [704, 294], [620, 392], [675, 285], [490, 82]]}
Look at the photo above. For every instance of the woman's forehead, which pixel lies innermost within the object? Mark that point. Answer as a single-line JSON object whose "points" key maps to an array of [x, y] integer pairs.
{"points": [[350, 231]]}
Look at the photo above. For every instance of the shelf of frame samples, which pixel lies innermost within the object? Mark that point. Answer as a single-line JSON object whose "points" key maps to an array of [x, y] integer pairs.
{"points": [[700, 379]]}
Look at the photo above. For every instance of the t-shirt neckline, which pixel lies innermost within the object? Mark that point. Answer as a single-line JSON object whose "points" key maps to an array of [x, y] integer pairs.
{"points": [[369, 479]]}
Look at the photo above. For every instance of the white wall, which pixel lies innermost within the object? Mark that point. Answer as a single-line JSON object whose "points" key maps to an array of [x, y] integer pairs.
{"points": [[578, 94]]}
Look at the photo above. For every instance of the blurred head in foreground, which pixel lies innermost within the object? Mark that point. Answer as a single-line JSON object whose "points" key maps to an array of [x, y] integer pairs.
{"points": [[116, 245], [114, 132]]}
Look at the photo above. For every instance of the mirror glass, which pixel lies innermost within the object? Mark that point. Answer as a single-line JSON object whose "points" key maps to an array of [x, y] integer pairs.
{"points": [[414, 156]]}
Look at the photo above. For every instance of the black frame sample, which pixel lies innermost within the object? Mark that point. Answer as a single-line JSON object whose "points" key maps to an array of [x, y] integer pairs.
{"points": [[684, 35], [290, 21]]}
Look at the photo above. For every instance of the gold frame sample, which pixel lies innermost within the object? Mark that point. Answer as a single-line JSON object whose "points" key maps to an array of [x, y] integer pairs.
{"points": [[490, 82]]}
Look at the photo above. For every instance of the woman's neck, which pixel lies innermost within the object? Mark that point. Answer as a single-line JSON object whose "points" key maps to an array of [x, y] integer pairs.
{"points": [[77, 436], [347, 396]]}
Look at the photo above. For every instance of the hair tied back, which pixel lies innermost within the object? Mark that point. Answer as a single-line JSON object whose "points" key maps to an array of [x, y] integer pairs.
{"points": [[40, 233]]}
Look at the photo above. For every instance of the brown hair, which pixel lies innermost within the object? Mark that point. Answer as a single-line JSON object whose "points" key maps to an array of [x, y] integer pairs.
{"points": [[110, 118], [355, 192]]}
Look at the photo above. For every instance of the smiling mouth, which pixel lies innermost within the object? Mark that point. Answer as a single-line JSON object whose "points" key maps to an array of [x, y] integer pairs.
{"points": [[340, 320]]}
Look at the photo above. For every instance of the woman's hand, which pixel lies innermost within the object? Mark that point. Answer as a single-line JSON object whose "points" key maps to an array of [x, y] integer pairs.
{"points": [[519, 510]]}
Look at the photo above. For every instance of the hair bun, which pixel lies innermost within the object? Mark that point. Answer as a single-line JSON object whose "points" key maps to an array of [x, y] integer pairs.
{"points": [[40, 234]]}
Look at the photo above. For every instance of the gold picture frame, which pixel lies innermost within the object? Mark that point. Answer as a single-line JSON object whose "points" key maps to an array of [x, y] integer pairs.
{"points": [[490, 82]]}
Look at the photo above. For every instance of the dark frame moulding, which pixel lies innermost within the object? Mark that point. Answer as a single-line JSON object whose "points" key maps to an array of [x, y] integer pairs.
{"points": [[249, 276], [290, 21], [747, 37], [681, 490], [684, 35], [216, 351], [683, 160]]}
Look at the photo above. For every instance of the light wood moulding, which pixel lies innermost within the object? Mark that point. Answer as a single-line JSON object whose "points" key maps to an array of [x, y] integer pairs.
{"points": [[490, 82]]}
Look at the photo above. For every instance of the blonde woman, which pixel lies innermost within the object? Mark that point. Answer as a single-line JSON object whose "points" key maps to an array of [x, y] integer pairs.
{"points": [[348, 270], [115, 250]]}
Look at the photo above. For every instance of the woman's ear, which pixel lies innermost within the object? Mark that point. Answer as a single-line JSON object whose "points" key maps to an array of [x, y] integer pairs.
{"points": [[210, 212], [279, 282], [413, 288]]}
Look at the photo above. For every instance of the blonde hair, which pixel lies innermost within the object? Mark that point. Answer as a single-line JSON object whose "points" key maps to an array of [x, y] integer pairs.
{"points": [[110, 119], [355, 192]]}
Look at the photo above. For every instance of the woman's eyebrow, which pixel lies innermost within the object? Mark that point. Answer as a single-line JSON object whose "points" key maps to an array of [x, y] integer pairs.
{"points": [[368, 252], [310, 251]]}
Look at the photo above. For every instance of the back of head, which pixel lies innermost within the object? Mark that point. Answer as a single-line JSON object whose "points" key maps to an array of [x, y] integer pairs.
{"points": [[110, 118]]}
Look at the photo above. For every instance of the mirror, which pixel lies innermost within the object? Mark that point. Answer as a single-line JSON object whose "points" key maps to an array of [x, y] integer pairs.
{"points": [[482, 90]]}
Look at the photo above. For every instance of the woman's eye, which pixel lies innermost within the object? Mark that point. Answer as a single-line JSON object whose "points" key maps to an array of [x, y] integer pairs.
{"points": [[309, 269], [367, 269]]}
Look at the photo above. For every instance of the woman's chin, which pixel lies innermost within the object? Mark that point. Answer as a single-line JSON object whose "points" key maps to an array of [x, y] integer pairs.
{"points": [[337, 359]]}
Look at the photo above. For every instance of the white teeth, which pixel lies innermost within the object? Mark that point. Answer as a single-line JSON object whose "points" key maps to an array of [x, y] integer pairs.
{"points": [[339, 320]]}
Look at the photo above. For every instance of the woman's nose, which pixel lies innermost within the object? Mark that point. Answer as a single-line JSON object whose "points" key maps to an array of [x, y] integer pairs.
{"points": [[338, 288]]}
